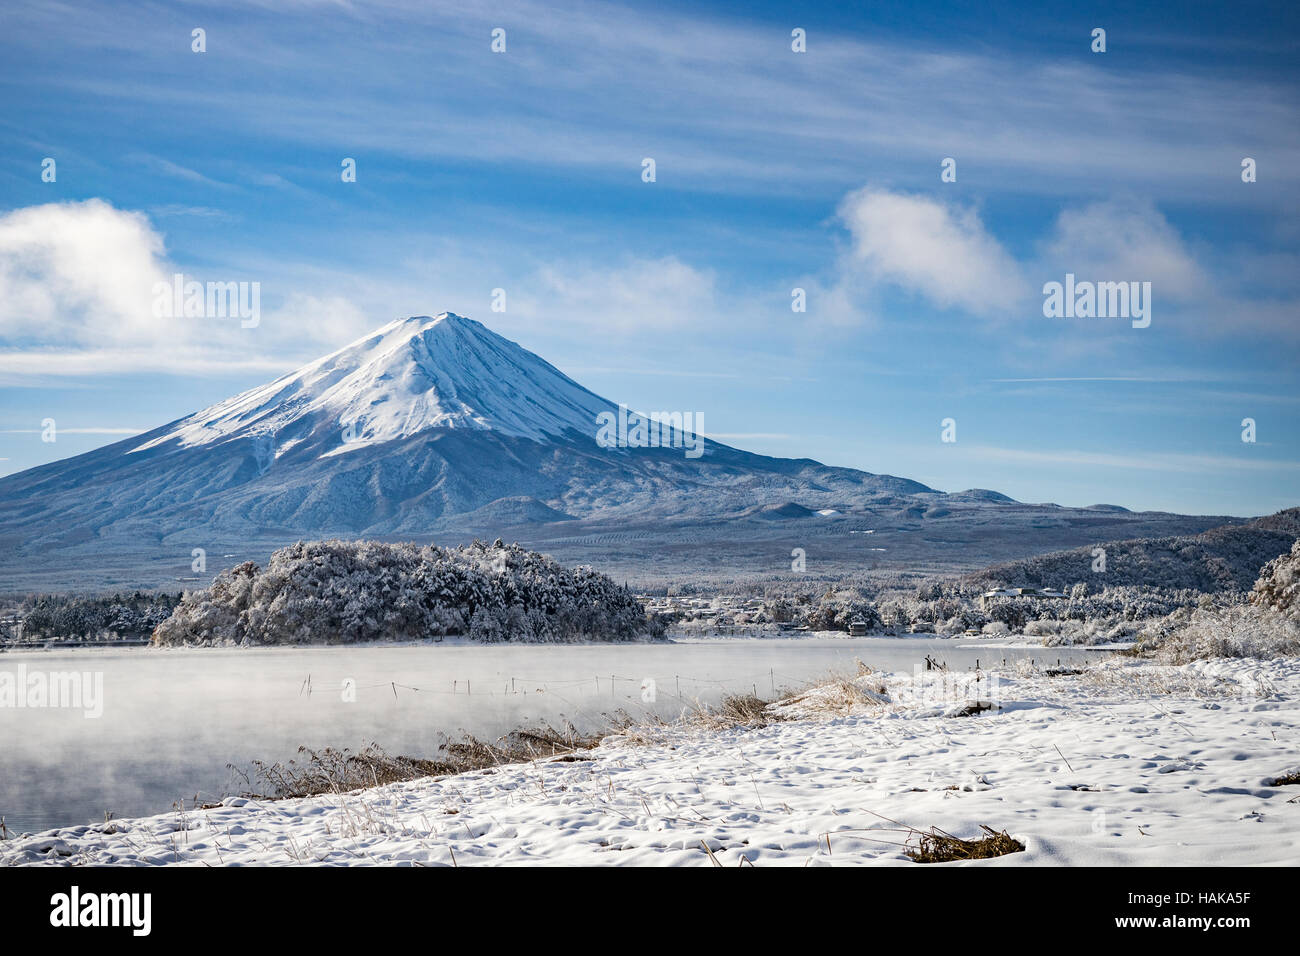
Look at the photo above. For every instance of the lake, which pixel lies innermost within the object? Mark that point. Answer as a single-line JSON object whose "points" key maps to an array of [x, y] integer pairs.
{"points": [[174, 719]]}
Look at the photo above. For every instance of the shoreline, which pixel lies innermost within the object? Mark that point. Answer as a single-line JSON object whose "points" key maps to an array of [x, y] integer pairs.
{"points": [[993, 642], [1133, 762]]}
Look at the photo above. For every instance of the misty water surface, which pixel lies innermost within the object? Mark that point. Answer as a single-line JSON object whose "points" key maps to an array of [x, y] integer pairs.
{"points": [[174, 719]]}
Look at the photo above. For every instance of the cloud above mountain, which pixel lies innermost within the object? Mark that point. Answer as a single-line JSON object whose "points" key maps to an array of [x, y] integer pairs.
{"points": [[77, 283], [939, 250], [78, 271]]}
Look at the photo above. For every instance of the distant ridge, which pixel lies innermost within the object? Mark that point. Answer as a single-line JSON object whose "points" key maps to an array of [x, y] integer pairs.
{"points": [[1226, 558]]}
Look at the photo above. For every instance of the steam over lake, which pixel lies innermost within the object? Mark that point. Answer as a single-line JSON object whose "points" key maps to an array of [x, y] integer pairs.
{"points": [[174, 719]]}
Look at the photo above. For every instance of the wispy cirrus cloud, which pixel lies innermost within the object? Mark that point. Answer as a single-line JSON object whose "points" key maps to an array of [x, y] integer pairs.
{"points": [[733, 109], [176, 210], [105, 430], [1141, 461], [165, 167], [661, 293]]}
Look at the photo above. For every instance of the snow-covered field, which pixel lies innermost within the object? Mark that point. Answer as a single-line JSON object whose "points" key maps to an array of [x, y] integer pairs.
{"points": [[1125, 764]]}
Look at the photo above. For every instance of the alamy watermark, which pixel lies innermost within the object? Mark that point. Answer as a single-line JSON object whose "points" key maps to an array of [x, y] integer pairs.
{"points": [[208, 300], [655, 430], [1100, 300], [71, 690], [133, 911]]}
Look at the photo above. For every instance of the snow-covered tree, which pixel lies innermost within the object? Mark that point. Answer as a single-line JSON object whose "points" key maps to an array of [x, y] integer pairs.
{"points": [[348, 591], [1278, 586]]}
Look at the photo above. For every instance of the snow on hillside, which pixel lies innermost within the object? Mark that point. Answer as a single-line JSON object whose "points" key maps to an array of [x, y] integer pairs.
{"points": [[1089, 770], [411, 375]]}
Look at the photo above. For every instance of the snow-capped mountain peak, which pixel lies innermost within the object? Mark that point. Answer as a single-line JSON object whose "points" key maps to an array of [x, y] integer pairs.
{"points": [[414, 374], [445, 427]]}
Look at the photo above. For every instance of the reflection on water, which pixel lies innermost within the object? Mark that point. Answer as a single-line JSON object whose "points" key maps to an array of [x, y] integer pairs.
{"points": [[173, 720]]}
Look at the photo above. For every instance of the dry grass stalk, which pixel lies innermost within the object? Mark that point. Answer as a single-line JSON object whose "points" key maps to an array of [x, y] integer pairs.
{"points": [[340, 771], [936, 846], [734, 710]]}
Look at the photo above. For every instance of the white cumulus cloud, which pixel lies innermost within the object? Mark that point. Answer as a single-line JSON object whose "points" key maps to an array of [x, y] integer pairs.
{"points": [[78, 271], [1122, 240], [931, 248]]}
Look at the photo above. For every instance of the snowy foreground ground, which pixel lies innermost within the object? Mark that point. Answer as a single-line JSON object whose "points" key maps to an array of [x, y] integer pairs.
{"points": [[1126, 764]]}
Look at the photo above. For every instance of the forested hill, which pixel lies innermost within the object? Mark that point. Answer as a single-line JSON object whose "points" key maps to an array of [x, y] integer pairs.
{"points": [[337, 592], [1227, 558]]}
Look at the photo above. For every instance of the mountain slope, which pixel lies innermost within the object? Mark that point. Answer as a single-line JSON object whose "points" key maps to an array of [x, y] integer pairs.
{"points": [[420, 426]]}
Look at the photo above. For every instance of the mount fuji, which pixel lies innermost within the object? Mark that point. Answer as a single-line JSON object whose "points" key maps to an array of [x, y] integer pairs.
{"points": [[439, 425], [414, 375]]}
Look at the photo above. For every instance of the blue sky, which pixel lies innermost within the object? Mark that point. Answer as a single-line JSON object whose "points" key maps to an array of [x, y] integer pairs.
{"points": [[775, 170]]}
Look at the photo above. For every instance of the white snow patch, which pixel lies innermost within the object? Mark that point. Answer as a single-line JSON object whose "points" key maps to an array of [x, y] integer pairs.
{"points": [[409, 376]]}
